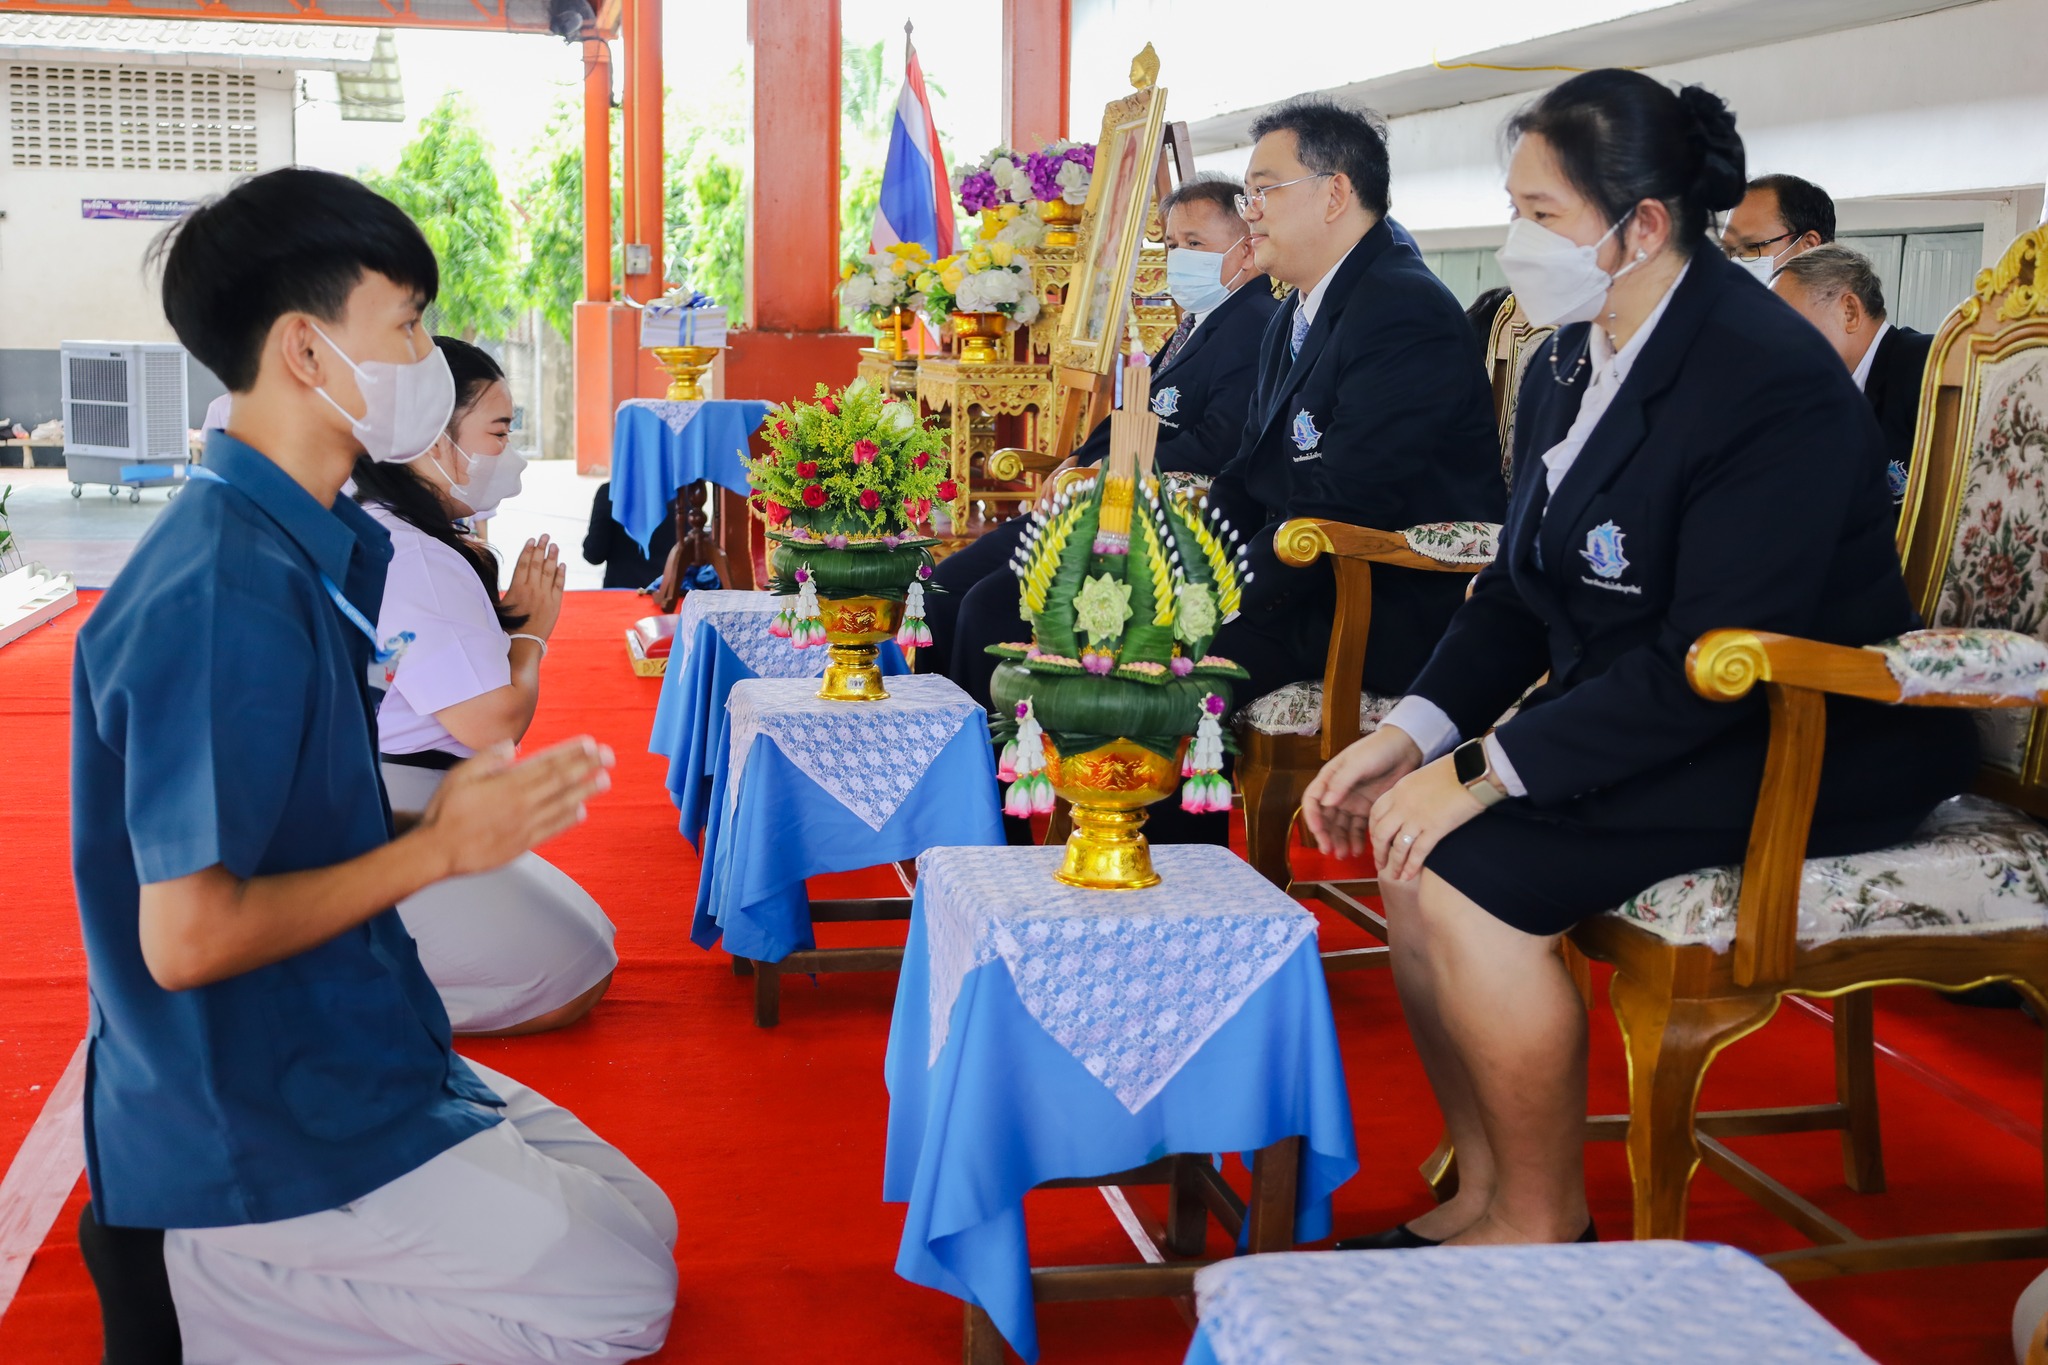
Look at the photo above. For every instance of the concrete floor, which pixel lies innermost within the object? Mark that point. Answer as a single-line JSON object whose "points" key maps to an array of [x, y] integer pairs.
{"points": [[91, 536]]}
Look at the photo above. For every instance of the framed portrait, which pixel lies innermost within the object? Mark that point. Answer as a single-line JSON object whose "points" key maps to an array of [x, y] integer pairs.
{"points": [[1112, 230]]}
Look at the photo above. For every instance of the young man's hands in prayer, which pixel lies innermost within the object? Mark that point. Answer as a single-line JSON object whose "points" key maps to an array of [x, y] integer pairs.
{"points": [[493, 808]]}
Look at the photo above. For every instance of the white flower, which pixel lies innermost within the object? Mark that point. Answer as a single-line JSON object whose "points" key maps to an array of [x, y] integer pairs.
{"points": [[1073, 178], [1002, 168], [1028, 310], [897, 416]]}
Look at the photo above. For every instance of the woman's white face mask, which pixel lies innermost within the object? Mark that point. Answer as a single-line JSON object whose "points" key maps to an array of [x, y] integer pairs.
{"points": [[490, 481], [1555, 279], [405, 406]]}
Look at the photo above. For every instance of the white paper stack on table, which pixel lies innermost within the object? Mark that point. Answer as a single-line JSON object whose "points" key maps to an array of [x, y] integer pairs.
{"points": [[677, 324]]}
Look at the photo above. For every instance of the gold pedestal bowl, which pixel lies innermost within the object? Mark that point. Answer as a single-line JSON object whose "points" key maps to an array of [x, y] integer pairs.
{"points": [[980, 336], [1109, 787], [1061, 222], [686, 366], [855, 628]]}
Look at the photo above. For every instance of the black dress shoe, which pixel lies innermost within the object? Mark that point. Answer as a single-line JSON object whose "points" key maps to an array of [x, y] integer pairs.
{"points": [[1395, 1238]]}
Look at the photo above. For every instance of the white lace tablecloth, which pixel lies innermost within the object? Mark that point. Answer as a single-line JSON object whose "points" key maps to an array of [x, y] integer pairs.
{"points": [[742, 620], [1130, 983], [1619, 1303], [675, 415], [868, 754]]}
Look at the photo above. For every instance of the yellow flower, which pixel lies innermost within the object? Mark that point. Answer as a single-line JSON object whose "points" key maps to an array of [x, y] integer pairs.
{"points": [[846, 271], [978, 260], [899, 266], [952, 279], [909, 251], [1002, 253]]}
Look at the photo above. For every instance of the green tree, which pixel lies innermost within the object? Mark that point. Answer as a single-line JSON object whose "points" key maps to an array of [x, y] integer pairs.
{"points": [[444, 180], [705, 203], [549, 210]]}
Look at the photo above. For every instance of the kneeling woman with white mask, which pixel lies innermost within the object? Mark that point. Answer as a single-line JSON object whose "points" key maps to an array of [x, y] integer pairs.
{"points": [[522, 949]]}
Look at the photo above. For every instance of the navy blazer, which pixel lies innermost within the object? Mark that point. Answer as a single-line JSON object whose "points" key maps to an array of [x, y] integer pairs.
{"points": [[1737, 480], [1893, 388], [1202, 397], [1385, 419]]}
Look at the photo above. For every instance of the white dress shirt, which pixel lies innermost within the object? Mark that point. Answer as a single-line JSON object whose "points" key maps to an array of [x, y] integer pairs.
{"points": [[1423, 720], [1864, 365], [1313, 299]]}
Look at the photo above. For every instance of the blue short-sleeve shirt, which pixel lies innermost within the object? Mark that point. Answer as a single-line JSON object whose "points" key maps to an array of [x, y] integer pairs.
{"points": [[221, 713]]}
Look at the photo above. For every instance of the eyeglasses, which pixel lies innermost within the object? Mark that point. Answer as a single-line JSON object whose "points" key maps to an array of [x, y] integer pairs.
{"points": [[1754, 251], [1258, 197]]}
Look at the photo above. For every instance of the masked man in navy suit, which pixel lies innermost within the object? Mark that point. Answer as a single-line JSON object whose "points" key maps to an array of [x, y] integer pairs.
{"points": [[1371, 407], [1201, 390]]}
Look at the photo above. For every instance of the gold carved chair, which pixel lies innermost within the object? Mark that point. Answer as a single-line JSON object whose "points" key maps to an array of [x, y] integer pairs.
{"points": [[1703, 959], [1286, 736]]}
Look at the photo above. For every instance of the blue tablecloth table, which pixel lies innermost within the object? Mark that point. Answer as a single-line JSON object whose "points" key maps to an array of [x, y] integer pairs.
{"points": [[1621, 1303], [721, 637], [1044, 1033], [658, 447], [804, 786]]}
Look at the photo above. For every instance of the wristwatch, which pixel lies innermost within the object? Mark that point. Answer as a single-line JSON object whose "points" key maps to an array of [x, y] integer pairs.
{"points": [[1473, 768]]}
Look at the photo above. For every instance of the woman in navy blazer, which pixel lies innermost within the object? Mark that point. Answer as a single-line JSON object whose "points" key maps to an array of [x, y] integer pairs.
{"points": [[1689, 455]]}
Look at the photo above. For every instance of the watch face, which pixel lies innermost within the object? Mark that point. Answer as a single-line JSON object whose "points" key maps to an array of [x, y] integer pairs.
{"points": [[1468, 760]]}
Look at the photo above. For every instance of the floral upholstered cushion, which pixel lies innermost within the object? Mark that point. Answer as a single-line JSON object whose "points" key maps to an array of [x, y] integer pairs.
{"points": [[1991, 663], [1997, 576], [1454, 542], [1975, 866], [1297, 709]]}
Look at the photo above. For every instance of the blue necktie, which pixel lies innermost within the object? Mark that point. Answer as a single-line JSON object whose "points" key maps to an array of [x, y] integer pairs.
{"points": [[1301, 325]]}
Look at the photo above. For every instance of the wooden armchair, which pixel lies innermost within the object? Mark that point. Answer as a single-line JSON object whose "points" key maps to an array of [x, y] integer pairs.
{"points": [[1704, 959], [1284, 738]]}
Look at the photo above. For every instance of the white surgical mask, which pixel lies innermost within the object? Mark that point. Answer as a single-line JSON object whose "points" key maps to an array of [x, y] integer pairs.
{"points": [[1554, 278], [1763, 268], [492, 479], [1195, 278], [406, 406]]}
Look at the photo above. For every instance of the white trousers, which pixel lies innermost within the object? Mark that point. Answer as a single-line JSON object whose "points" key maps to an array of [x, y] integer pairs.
{"points": [[506, 946], [532, 1241]]}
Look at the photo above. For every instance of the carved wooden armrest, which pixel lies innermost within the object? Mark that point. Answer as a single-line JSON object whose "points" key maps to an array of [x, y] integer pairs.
{"points": [[1449, 547], [1944, 666], [1941, 667], [1011, 463]]}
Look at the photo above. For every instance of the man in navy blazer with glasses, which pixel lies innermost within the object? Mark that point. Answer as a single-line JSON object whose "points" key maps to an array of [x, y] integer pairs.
{"points": [[1370, 407]]}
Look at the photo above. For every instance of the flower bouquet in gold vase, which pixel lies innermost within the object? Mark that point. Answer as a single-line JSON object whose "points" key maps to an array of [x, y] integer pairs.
{"points": [[846, 490], [1117, 699]]}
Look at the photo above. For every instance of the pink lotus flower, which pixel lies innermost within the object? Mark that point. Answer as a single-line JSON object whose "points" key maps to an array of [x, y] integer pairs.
{"points": [[864, 452]]}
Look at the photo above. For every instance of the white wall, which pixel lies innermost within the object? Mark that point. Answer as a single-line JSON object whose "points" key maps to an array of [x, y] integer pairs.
{"points": [[72, 278], [1940, 120]]}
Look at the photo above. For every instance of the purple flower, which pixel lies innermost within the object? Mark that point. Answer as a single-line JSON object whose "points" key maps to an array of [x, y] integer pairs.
{"points": [[1213, 704], [1181, 665], [979, 191], [836, 542], [924, 571], [1023, 709], [890, 542], [1097, 663], [1045, 170], [803, 575]]}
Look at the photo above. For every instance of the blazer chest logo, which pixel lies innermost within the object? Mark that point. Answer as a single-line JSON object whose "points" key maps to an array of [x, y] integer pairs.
{"points": [[1306, 437], [1603, 550], [1166, 402]]}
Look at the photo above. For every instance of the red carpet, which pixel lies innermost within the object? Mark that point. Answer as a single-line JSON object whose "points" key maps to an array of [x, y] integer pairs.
{"points": [[770, 1142]]}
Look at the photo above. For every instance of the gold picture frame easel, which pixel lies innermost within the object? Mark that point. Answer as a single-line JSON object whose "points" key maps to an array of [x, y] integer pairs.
{"points": [[1113, 223]]}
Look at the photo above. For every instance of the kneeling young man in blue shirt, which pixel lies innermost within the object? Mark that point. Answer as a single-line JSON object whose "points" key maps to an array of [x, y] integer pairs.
{"points": [[288, 1162]]}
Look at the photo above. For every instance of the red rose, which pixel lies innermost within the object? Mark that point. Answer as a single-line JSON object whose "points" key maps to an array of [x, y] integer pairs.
{"points": [[920, 462], [777, 513], [832, 405], [948, 490], [870, 499], [807, 469], [918, 508], [814, 496], [782, 428], [864, 452]]}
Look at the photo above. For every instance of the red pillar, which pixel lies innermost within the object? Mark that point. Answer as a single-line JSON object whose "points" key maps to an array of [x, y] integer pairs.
{"points": [[641, 169], [1036, 36], [597, 171], [793, 209]]}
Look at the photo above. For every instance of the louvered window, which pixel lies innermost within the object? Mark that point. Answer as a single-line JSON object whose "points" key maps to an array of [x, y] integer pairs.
{"points": [[130, 118]]}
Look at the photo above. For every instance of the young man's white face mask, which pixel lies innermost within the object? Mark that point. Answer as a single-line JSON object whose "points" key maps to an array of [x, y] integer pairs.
{"points": [[406, 406]]}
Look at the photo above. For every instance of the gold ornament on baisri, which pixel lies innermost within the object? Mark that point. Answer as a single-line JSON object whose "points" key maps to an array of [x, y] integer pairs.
{"points": [[1109, 787]]}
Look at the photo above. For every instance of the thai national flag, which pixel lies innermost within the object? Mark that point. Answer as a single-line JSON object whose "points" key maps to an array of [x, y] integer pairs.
{"points": [[917, 200]]}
